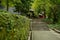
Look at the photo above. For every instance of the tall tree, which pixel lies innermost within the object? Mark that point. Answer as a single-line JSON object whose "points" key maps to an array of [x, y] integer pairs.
{"points": [[41, 6], [23, 6], [7, 3]]}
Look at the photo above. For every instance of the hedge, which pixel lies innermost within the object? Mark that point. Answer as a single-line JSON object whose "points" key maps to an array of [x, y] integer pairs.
{"points": [[13, 27]]}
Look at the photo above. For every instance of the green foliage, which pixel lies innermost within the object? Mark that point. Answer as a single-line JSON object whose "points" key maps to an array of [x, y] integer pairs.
{"points": [[48, 21], [10, 2], [13, 27], [54, 26], [51, 9], [40, 6], [36, 6], [23, 6]]}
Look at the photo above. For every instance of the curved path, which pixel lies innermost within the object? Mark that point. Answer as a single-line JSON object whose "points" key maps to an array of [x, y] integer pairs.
{"points": [[40, 31]]}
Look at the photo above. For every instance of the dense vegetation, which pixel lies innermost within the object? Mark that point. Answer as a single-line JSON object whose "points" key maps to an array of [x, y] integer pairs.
{"points": [[13, 27], [16, 27], [51, 9], [22, 6]]}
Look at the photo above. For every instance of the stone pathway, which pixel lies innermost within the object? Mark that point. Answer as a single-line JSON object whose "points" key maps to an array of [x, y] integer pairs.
{"points": [[40, 31], [44, 35]]}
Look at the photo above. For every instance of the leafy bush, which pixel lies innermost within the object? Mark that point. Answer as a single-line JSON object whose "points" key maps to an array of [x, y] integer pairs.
{"points": [[54, 26], [13, 27], [49, 21]]}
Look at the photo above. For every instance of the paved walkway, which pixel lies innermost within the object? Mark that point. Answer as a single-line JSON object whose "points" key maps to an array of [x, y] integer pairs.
{"points": [[44, 35], [40, 31]]}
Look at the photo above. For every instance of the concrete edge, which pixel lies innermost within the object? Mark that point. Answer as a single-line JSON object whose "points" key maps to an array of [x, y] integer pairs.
{"points": [[57, 31], [29, 37]]}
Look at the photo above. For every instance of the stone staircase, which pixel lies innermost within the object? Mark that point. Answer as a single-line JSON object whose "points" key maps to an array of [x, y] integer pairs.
{"points": [[37, 24], [40, 31]]}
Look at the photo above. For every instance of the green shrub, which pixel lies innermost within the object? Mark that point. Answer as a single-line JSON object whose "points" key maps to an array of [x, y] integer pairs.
{"points": [[49, 21], [54, 26], [13, 27]]}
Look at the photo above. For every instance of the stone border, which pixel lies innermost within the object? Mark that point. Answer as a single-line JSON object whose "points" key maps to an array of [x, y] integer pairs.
{"points": [[29, 37], [56, 30]]}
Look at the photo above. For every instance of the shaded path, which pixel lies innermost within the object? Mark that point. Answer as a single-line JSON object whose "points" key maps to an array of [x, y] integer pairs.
{"points": [[40, 31]]}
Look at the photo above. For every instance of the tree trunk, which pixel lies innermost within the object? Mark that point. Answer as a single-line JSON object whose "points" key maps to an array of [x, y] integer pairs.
{"points": [[7, 2]]}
